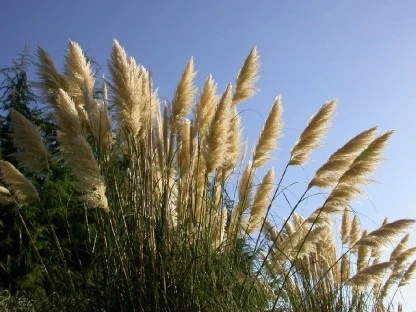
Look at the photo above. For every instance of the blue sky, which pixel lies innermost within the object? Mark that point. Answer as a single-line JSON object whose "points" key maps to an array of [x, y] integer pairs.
{"points": [[361, 52]]}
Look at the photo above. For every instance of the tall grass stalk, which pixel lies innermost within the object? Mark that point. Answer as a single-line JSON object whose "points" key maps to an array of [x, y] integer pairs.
{"points": [[161, 233]]}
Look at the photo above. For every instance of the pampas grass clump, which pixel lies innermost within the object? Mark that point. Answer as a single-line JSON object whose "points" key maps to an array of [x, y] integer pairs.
{"points": [[162, 232]]}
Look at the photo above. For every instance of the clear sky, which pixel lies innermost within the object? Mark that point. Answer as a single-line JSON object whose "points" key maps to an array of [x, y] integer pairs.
{"points": [[361, 52]]}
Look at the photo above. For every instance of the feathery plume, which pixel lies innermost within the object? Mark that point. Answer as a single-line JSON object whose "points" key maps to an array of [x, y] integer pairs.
{"points": [[32, 153], [247, 77], [400, 248], [234, 144], [345, 269], [308, 243], [205, 108], [245, 197], [354, 233], [349, 183], [184, 96], [99, 121], [21, 188], [261, 202], [185, 148], [80, 77], [363, 254], [127, 90], [5, 196], [78, 154], [369, 275], [312, 135], [408, 275], [345, 226], [386, 233], [328, 174], [50, 79], [218, 134], [269, 135]]}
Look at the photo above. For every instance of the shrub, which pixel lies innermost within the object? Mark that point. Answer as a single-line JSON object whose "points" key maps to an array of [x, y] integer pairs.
{"points": [[153, 227]]}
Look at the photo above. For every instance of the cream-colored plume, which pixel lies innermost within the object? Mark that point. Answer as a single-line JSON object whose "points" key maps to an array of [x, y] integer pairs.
{"points": [[184, 96], [327, 175], [78, 154], [408, 275], [80, 77], [247, 77], [384, 234], [21, 188], [32, 153], [234, 145], [5, 196], [50, 79], [261, 202], [357, 174], [130, 91], [369, 275], [311, 136], [245, 198], [345, 226], [269, 135], [218, 134], [205, 108]]}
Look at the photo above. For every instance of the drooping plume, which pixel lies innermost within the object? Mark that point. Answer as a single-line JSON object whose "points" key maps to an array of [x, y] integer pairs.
{"points": [[20, 188], [78, 154], [32, 153]]}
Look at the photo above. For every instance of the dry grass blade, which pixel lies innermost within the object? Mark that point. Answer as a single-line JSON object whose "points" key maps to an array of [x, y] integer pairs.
{"points": [[247, 77], [32, 153], [327, 175], [21, 188], [184, 96], [312, 135], [261, 202], [78, 154], [269, 135], [366, 277]]}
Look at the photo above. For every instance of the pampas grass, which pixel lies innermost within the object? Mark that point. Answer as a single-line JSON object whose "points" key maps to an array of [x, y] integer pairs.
{"points": [[17, 185], [169, 234], [269, 135], [32, 153], [312, 135]]}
